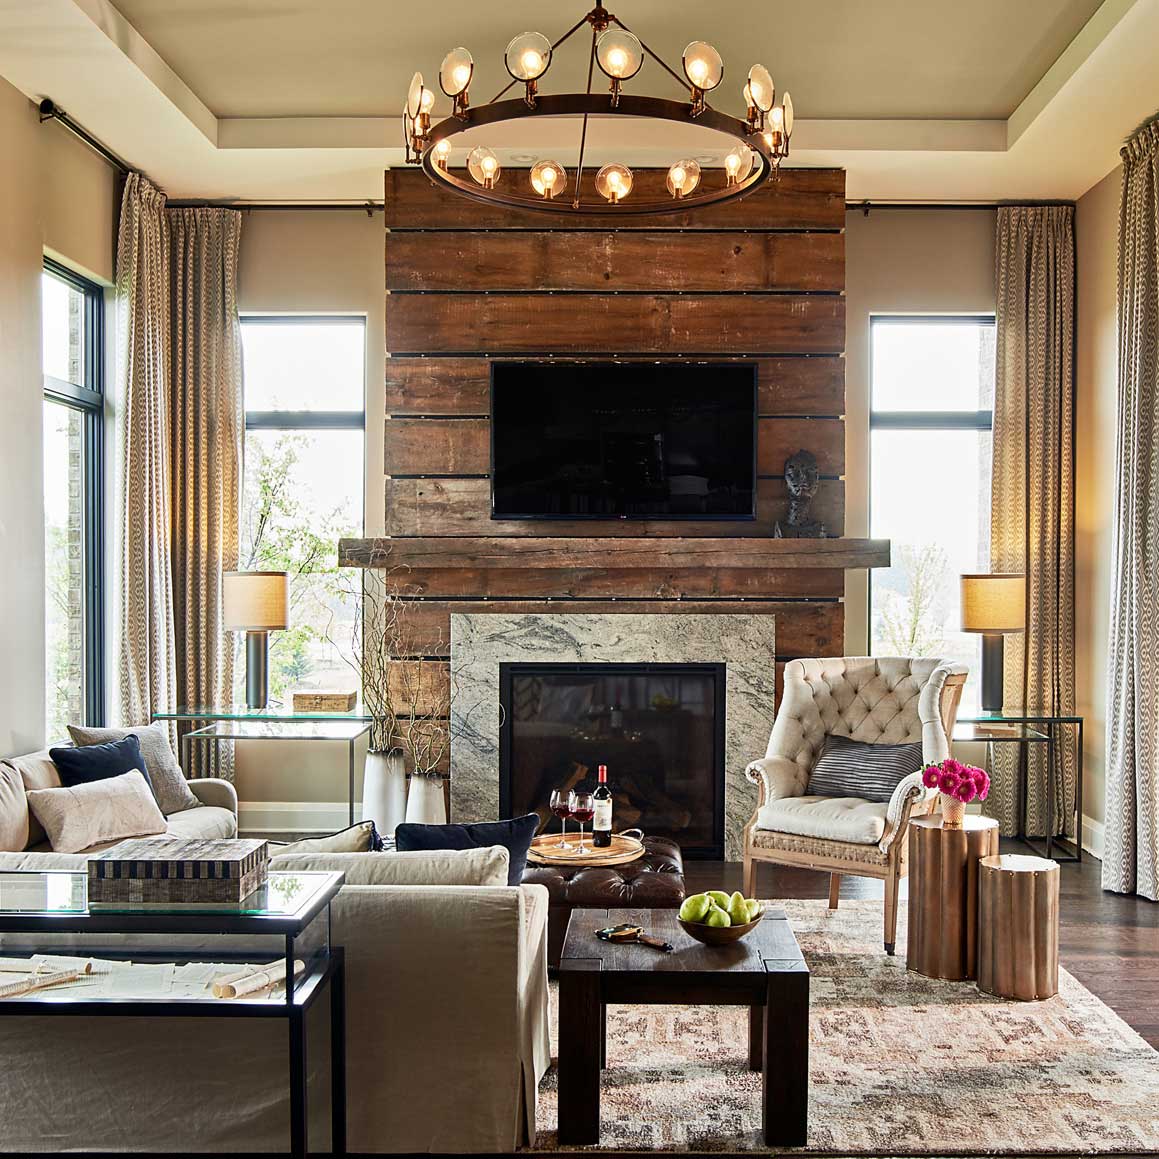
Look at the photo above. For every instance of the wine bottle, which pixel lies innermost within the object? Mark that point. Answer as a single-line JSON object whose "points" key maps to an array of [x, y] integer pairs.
{"points": [[602, 821]]}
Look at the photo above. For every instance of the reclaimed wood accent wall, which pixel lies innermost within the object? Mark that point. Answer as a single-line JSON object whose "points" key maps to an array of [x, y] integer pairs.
{"points": [[762, 278]]}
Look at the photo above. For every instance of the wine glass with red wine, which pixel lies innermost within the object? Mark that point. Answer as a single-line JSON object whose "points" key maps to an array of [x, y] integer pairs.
{"points": [[561, 807], [583, 809]]}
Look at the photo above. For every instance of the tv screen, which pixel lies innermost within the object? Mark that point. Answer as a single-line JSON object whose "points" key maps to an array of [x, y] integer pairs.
{"points": [[623, 440]]}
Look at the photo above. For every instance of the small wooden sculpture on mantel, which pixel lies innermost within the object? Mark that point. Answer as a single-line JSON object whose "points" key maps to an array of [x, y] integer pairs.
{"points": [[802, 479]]}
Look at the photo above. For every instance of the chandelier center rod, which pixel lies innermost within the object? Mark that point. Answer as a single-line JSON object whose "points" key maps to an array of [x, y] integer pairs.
{"points": [[579, 172]]}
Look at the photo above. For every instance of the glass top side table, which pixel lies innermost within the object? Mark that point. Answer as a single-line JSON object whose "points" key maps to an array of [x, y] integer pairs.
{"points": [[237, 722], [1034, 725]]}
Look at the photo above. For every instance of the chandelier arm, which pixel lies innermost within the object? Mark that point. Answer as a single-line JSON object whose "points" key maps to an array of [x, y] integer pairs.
{"points": [[681, 81], [566, 36], [579, 169]]}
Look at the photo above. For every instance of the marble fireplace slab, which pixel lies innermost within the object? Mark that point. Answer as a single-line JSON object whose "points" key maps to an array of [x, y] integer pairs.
{"points": [[480, 642]]}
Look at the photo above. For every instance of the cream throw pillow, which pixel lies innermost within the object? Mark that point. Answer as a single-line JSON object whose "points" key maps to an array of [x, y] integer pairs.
{"points": [[485, 866], [85, 815], [358, 838]]}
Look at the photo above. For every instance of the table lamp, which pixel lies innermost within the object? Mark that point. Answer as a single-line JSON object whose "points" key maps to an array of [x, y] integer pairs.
{"points": [[257, 603], [993, 605]]}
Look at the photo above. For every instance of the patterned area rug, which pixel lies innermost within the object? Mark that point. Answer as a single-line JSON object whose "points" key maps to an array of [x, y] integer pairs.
{"points": [[899, 1064]]}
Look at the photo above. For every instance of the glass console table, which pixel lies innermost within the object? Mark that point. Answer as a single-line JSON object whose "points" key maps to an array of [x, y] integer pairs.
{"points": [[160, 967], [1026, 727], [237, 722]]}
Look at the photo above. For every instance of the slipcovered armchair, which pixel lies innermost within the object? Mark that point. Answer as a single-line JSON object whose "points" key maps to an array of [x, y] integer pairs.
{"points": [[876, 700]]}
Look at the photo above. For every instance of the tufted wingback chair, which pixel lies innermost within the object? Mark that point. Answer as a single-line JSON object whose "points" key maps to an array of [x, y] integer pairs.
{"points": [[876, 700]]}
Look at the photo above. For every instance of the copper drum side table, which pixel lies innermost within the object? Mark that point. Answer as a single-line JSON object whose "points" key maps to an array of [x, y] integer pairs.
{"points": [[942, 934], [1018, 926]]}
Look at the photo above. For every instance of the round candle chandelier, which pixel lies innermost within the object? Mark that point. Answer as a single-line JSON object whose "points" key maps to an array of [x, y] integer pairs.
{"points": [[744, 153]]}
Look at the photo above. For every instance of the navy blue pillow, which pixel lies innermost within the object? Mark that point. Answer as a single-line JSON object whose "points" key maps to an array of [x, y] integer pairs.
{"points": [[515, 836], [98, 762]]}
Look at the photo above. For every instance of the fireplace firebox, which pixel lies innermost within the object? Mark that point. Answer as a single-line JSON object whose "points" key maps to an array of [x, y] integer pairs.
{"points": [[658, 727]]}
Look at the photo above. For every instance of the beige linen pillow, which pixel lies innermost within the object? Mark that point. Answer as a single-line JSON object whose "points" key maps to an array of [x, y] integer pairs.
{"points": [[94, 814], [169, 784], [358, 838], [485, 866]]}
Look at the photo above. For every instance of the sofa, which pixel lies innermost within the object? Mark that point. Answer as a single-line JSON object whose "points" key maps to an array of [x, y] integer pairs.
{"points": [[447, 1030], [19, 830]]}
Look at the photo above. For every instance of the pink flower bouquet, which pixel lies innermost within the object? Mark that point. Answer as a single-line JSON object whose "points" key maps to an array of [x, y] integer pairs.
{"points": [[958, 784]]}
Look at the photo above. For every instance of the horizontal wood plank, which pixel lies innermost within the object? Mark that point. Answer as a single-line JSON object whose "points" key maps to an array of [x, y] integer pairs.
{"points": [[462, 386], [641, 323], [616, 260], [462, 446], [418, 687], [583, 583], [606, 552], [456, 506], [797, 199], [802, 629]]}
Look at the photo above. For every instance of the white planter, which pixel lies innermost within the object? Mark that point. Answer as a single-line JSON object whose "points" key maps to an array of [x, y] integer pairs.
{"points": [[384, 791], [425, 803]]}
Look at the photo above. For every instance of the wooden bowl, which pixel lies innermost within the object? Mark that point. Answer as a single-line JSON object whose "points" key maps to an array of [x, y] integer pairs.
{"points": [[719, 935]]}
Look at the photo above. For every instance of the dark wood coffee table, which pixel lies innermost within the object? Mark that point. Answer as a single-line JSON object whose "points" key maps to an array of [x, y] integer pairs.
{"points": [[764, 971]]}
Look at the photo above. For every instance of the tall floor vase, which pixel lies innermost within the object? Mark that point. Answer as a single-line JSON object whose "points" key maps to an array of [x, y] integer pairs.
{"points": [[425, 802], [384, 791]]}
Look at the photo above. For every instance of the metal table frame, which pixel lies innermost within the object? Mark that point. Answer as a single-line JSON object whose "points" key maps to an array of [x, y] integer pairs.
{"points": [[1039, 727], [324, 972]]}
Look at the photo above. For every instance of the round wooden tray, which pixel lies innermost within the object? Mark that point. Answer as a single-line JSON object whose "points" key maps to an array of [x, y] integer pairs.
{"points": [[545, 850]]}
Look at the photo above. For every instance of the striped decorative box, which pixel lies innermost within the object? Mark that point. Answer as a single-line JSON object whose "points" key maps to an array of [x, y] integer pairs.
{"points": [[168, 869]]}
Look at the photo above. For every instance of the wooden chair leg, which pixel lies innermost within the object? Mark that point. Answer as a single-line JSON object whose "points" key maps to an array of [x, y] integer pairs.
{"points": [[892, 881], [834, 889], [750, 875]]}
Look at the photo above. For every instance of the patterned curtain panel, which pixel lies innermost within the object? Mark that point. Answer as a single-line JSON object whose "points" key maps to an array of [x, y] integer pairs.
{"points": [[206, 432], [1131, 853], [1032, 498], [147, 667]]}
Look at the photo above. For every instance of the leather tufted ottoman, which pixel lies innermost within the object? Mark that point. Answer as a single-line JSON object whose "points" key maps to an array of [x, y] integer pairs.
{"points": [[655, 881]]}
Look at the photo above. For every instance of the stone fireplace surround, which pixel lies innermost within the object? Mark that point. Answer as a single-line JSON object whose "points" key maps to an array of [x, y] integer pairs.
{"points": [[480, 642]]}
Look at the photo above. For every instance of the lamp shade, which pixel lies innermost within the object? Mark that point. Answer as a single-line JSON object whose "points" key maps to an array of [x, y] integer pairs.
{"points": [[994, 603], [256, 601]]}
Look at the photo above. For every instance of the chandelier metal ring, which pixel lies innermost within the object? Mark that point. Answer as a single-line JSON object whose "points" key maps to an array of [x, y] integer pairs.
{"points": [[754, 148], [573, 104]]}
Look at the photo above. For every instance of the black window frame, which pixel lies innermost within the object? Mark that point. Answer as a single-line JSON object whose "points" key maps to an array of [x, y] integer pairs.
{"points": [[88, 398], [909, 420]]}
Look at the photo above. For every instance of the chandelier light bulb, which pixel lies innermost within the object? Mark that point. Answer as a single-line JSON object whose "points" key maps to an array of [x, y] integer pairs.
{"points": [[760, 91], [738, 164], [777, 119], [426, 101], [442, 151], [614, 182], [683, 177], [456, 71], [703, 66], [548, 178], [528, 56], [483, 166], [619, 54]]}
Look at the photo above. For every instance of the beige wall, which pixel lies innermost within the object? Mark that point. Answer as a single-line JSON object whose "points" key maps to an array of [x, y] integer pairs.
{"points": [[54, 194], [1096, 230], [21, 497], [900, 261], [314, 262]]}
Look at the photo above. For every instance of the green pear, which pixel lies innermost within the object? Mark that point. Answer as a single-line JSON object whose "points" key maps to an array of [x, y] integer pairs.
{"points": [[720, 897], [695, 907], [738, 910], [717, 917], [754, 908]]}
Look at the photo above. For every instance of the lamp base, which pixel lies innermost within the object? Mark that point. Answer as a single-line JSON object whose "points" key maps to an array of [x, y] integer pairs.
{"points": [[257, 669], [992, 694]]}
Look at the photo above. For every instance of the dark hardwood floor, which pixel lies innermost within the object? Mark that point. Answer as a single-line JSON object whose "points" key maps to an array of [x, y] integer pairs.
{"points": [[1108, 941]]}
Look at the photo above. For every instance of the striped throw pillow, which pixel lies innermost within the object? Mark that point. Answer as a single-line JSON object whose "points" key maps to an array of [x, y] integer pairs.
{"points": [[852, 768]]}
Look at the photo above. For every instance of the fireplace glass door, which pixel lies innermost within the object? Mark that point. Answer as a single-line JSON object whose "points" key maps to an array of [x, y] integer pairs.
{"points": [[658, 727]]}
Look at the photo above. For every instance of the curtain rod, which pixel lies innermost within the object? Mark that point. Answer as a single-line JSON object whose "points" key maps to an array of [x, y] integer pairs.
{"points": [[866, 206], [51, 111], [369, 207]]}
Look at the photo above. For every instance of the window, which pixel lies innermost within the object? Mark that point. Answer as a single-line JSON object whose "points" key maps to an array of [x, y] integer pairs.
{"points": [[303, 487], [932, 407], [71, 311]]}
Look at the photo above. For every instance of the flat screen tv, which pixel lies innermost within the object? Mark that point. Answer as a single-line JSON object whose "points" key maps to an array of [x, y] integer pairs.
{"points": [[600, 440]]}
